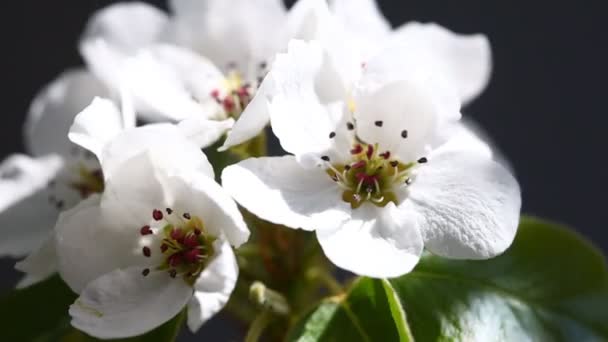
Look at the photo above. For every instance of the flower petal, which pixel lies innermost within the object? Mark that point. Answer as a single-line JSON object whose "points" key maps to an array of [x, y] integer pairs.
{"points": [[53, 110], [235, 32], [96, 125], [279, 190], [376, 242], [466, 60], [124, 303], [165, 140], [26, 216], [203, 132], [402, 118], [169, 82], [40, 264], [253, 120], [200, 195], [468, 204], [213, 287], [116, 32]]}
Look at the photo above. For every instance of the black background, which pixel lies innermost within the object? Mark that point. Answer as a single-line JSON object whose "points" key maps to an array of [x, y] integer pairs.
{"points": [[545, 107]]}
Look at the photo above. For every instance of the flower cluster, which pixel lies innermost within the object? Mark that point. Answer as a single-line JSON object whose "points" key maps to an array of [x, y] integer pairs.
{"points": [[378, 164]]}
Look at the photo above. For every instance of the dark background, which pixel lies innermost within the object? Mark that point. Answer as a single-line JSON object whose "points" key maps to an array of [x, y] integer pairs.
{"points": [[545, 107]]}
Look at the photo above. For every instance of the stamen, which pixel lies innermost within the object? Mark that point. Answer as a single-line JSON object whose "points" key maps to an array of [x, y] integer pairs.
{"points": [[378, 123], [157, 215], [358, 149], [359, 164], [147, 252], [187, 216], [169, 211], [385, 155], [332, 135], [145, 230], [145, 272], [404, 134], [370, 151], [422, 160], [326, 158], [350, 126], [173, 273]]}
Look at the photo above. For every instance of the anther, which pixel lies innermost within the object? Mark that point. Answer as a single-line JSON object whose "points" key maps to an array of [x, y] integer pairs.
{"points": [[386, 154], [215, 93], [378, 123], [197, 231], [394, 163], [359, 164], [169, 211], [164, 247], [145, 230], [187, 216], [332, 135], [358, 149], [350, 126], [404, 134], [346, 167], [408, 181], [422, 160], [147, 252], [370, 151], [157, 215], [173, 273], [326, 158], [145, 272]]}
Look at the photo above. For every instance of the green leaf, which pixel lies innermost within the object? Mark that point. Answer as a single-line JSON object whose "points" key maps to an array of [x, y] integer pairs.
{"points": [[40, 314], [549, 286], [365, 313], [37, 313]]}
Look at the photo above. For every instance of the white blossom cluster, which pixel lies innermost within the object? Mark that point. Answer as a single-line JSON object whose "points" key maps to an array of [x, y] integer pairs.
{"points": [[379, 165]]}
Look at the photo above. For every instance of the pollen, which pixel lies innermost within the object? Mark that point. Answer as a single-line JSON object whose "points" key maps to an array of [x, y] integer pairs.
{"points": [[371, 176]]}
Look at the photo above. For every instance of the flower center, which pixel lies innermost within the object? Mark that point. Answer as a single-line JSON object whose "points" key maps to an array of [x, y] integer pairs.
{"points": [[235, 93], [186, 246], [370, 176], [89, 181]]}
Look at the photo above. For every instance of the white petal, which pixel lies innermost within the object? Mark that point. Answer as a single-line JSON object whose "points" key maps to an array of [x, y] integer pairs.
{"points": [[309, 20], [127, 26], [279, 190], [116, 32], [376, 242], [469, 205], [203, 132], [124, 303], [40, 264], [168, 82], [213, 287], [88, 246], [301, 109], [96, 125], [465, 60], [26, 215], [200, 195], [53, 110], [363, 20], [402, 117], [165, 140], [231, 31], [253, 120]]}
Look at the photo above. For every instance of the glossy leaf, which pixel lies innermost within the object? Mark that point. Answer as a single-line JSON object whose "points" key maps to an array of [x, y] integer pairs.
{"points": [[549, 286], [365, 313]]}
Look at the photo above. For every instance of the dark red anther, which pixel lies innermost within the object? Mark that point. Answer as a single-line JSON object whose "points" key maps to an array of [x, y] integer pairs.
{"points": [[191, 241], [358, 149], [197, 231], [164, 247], [177, 234], [386, 154], [228, 104], [243, 92], [359, 164], [175, 259], [147, 252], [157, 215], [192, 255], [145, 230], [394, 163], [370, 151], [366, 179], [215, 93]]}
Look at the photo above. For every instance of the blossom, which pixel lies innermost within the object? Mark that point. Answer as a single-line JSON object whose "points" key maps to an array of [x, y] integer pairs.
{"points": [[464, 60], [381, 166], [56, 174], [157, 239]]}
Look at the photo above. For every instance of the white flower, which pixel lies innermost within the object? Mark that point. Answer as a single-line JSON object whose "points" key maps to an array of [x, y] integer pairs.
{"points": [[357, 26], [155, 240], [381, 165], [57, 175]]}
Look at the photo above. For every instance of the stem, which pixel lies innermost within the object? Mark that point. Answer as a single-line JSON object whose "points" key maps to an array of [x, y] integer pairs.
{"points": [[258, 325], [330, 282]]}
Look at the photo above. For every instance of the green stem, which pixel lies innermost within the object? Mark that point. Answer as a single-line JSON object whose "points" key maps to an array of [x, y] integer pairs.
{"points": [[258, 325]]}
